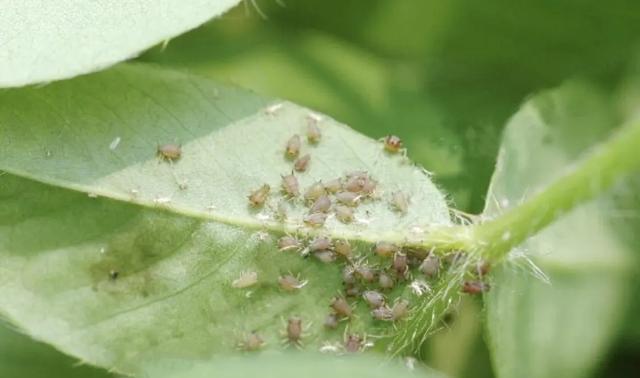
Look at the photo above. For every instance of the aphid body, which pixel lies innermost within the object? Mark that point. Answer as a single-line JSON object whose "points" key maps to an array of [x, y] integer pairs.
{"points": [[430, 265], [333, 186], [293, 147], [385, 281], [252, 342], [314, 192], [400, 309], [321, 205], [373, 298], [400, 202], [341, 307], [400, 264], [475, 287], [301, 163], [325, 256], [344, 213], [290, 186], [313, 133], [348, 198], [343, 248], [320, 243], [290, 283], [287, 243], [294, 330], [392, 143], [258, 197], [315, 220], [382, 313], [385, 249], [169, 152]]}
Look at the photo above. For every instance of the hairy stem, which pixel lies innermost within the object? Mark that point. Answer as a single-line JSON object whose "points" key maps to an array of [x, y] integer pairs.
{"points": [[600, 169]]}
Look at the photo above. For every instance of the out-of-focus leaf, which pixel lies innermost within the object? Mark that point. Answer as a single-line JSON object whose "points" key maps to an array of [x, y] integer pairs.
{"points": [[563, 327], [150, 275], [289, 365], [44, 40]]}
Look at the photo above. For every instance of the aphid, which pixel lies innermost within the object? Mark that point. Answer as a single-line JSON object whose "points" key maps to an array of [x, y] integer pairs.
{"points": [[344, 213], [320, 243], [314, 192], [252, 342], [325, 256], [333, 186], [259, 196], [290, 283], [114, 274], [369, 186], [294, 330], [287, 243], [331, 321], [348, 276], [301, 163], [483, 268], [341, 307], [475, 287], [169, 152], [343, 248], [400, 309], [354, 343], [382, 313], [290, 186], [373, 298], [355, 183], [400, 202], [365, 273], [385, 249], [246, 279], [315, 220], [352, 291], [293, 147], [430, 265], [313, 133], [392, 143], [385, 281], [400, 264], [348, 198], [321, 205]]}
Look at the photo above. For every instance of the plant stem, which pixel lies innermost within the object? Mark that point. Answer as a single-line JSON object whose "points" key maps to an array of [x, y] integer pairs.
{"points": [[602, 168]]}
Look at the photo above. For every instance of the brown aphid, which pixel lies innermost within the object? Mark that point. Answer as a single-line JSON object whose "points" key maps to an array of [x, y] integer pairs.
{"points": [[290, 186], [373, 298], [353, 343], [294, 330], [343, 248], [385, 249], [400, 264], [252, 342], [331, 321], [400, 309], [315, 220], [321, 205], [293, 146], [258, 197], [348, 198], [288, 243], [383, 313], [365, 273], [315, 191], [169, 152], [475, 287], [400, 202], [333, 186], [344, 213], [355, 183], [352, 291], [301, 163], [325, 256], [313, 133], [320, 243], [341, 307], [385, 281], [392, 143], [430, 265], [290, 283], [348, 275]]}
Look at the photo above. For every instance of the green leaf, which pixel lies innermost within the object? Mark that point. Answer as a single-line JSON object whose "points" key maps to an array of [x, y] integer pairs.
{"points": [[288, 365], [562, 327], [85, 196], [44, 40]]}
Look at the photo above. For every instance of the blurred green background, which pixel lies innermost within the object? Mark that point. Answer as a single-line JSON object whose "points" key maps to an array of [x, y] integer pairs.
{"points": [[443, 75]]}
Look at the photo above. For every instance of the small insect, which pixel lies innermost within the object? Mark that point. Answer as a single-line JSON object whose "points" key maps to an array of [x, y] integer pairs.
{"points": [[385, 249], [400, 264], [325, 256], [333, 186], [373, 298], [169, 152], [382, 313], [400, 202], [483, 268], [365, 273], [294, 330], [331, 321], [313, 133], [114, 274], [259, 196], [314, 192], [475, 287], [293, 147], [348, 276], [301, 163], [321, 205], [354, 183], [352, 291], [355, 343], [430, 265], [320, 243], [315, 220], [344, 213], [385, 281], [348, 198], [343, 248], [290, 283], [341, 307], [251, 342], [392, 143], [287, 243], [400, 309], [290, 186], [245, 280]]}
